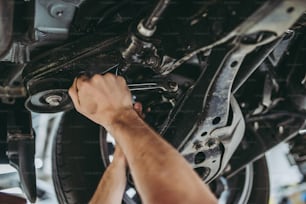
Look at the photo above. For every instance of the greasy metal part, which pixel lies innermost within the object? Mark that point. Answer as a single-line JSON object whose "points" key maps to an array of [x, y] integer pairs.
{"points": [[85, 54], [274, 18], [142, 52], [228, 137], [273, 52], [6, 25], [250, 65], [280, 50], [54, 100], [261, 28], [144, 31], [12, 92], [256, 145], [159, 9], [52, 19], [147, 27], [48, 95], [21, 150], [51, 95], [49, 101], [18, 53], [231, 135]]}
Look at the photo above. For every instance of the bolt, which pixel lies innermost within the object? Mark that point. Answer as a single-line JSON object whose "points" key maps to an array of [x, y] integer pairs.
{"points": [[173, 85], [256, 125], [281, 130], [53, 100], [211, 143], [152, 61], [243, 105], [59, 13], [197, 145], [57, 10]]}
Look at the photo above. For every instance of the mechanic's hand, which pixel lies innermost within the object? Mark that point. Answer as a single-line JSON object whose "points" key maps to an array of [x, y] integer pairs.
{"points": [[101, 98]]}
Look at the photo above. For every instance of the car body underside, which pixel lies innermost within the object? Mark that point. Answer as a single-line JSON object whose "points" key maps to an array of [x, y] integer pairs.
{"points": [[221, 81]]}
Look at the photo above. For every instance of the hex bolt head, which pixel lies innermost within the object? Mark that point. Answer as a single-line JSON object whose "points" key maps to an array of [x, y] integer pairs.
{"points": [[53, 100], [211, 143], [58, 10], [173, 85], [197, 145], [152, 61], [59, 13]]}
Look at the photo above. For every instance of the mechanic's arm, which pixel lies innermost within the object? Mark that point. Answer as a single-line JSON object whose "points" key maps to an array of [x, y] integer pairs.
{"points": [[112, 185], [161, 175]]}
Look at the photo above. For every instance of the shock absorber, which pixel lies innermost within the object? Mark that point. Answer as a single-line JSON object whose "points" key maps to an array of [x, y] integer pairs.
{"points": [[147, 27], [140, 49]]}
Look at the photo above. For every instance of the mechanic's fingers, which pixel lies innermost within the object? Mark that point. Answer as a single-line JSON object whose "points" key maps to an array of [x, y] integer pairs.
{"points": [[138, 108], [79, 81], [74, 95]]}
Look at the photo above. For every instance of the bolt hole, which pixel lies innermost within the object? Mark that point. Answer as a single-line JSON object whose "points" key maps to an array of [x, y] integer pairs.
{"points": [[203, 172], [234, 64], [216, 120], [199, 158], [203, 134], [213, 161], [290, 9]]}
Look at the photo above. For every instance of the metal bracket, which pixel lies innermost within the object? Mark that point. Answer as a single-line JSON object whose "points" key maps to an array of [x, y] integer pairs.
{"points": [[21, 150], [53, 18], [267, 24], [274, 18], [18, 53]]}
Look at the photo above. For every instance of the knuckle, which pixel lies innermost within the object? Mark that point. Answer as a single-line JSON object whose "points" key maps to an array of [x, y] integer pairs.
{"points": [[82, 78], [121, 80], [96, 78], [109, 75], [86, 85]]}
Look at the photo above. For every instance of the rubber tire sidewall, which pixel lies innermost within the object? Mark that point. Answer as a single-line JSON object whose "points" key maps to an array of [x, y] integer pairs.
{"points": [[77, 167]]}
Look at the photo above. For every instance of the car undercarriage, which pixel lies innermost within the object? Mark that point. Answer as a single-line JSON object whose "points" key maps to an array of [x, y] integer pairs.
{"points": [[222, 81]]}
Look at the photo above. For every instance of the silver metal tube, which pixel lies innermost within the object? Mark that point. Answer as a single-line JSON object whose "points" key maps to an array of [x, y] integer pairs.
{"points": [[159, 9]]}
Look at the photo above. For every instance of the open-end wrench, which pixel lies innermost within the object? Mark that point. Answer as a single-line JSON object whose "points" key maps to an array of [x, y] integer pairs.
{"points": [[166, 87]]}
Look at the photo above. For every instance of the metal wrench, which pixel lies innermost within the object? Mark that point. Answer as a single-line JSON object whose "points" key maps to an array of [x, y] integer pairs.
{"points": [[167, 87]]}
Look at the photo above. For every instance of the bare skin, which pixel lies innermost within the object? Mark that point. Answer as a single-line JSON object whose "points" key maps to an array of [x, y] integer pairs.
{"points": [[160, 173], [113, 182], [112, 185]]}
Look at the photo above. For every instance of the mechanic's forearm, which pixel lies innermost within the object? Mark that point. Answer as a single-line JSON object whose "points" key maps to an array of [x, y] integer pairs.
{"points": [[112, 185], [161, 175]]}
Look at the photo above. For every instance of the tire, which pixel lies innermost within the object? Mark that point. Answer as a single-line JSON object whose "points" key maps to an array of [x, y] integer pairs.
{"points": [[261, 183], [78, 167], [76, 161], [251, 185]]}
